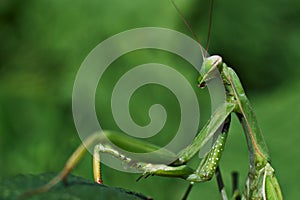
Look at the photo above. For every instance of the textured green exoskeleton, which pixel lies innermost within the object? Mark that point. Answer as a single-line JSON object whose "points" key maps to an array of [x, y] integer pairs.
{"points": [[261, 182]]}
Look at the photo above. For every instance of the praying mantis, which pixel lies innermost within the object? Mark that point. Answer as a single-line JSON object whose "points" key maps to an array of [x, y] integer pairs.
{"points": [[261, 181]]}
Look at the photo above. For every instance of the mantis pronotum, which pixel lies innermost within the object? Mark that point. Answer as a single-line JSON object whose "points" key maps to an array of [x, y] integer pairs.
{"points": [[261, 182]]}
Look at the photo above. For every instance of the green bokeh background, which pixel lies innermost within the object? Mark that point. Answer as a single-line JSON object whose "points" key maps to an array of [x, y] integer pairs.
{"points": [[44, 42]]}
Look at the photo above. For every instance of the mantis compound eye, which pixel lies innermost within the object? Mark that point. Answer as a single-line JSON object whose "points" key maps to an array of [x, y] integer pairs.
{"points": [[201, 82], [202, 85]]}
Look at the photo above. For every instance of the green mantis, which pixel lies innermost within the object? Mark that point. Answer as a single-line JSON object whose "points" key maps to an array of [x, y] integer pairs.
{"points": [[261, 182]]}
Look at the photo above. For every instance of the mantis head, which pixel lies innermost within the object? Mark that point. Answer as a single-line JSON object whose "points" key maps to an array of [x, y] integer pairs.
{"points": [[209, 67]]}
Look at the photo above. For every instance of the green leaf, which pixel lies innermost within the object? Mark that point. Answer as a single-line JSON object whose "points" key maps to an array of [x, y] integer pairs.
{"points": [[77, 188]]}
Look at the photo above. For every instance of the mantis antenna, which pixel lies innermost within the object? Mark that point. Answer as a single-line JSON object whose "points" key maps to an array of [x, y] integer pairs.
{"points": [[211, 4], [191, 30]]}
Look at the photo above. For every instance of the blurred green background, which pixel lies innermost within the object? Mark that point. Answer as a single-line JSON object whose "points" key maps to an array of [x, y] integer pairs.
{"points": [[43, 44]]}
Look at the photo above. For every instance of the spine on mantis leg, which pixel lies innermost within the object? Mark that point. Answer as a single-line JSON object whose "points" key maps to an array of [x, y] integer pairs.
{"points": [[209, 164]]}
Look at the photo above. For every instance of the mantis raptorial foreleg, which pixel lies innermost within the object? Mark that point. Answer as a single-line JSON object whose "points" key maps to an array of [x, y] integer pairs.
{"points": [[216, 121], [205, 170], [210, 162]]}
